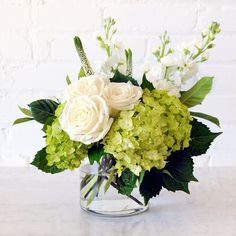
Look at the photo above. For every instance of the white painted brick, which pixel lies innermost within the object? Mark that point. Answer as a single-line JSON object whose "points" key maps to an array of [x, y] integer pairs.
{"points": [[152, 18], [25, 148], [64, 15], [41, 46], [219, 106], [63, 48], [9, 102], [224, 77], [5, 82], [136, 44], [225, 49], [43, 77], [14, 16], [223, 149], [221, 11], [14, 47], [3, 140]]}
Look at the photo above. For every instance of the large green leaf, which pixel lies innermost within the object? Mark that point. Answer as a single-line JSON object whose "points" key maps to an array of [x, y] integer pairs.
{"points": [[151, 184], [120, 78], [197, 93], [180, 166], [146, 84], [171, 184], [212, 119], [95, 153], [201, 138], [178, 171], [126, 182], [40, 161], [43, 109], [22, 120]]}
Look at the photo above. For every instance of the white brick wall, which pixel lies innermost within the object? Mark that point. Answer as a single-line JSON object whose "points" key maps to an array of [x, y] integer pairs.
{"points": [[36, 53]]}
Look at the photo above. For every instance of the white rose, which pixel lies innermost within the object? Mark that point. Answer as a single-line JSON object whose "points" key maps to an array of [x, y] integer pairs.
{"points": [[90, 85], [86, 119], [122, 96], [168, 86]]}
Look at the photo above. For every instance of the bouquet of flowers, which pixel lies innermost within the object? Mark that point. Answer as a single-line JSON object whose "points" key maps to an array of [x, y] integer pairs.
{"points": [[141, 133]]}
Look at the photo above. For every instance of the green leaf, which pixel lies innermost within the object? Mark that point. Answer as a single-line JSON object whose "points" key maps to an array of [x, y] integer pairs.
{"points": [[43, 109], [40, 161], [95, 153], [212, 119], [141, 175], [201, 138], [173, 185], [197, 93], [120, 78], [22, 120], [95, 191], [81, 73], [180, 166], [146, 84], [68, 81], [25, 111], [151, 184], [109, 180], [126, 182]]}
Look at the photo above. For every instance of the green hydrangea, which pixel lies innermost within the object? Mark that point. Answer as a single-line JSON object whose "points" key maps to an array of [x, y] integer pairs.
{"points": [[61, 151], [144, 137]]}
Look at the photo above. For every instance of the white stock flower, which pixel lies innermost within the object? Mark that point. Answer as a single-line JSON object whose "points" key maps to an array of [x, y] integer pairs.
{"points": [[90, 85], [86, 119], [170, 60], [116, 60], [190, 69], [155, 73], [168, 86], [145, 67], [122, 96]]}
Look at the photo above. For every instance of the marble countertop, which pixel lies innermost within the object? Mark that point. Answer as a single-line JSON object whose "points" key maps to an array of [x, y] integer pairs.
{"points": [[36, 204]]}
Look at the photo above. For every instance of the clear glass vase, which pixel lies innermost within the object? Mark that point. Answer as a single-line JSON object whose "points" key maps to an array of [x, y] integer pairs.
{"points": [[99, 194]]}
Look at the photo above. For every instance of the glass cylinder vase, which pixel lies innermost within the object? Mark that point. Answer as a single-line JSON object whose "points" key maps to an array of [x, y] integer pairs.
{"points": [[99, 194]]}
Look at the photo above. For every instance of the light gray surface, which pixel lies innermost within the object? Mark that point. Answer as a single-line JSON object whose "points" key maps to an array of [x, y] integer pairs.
{"points": [[37, 204]]}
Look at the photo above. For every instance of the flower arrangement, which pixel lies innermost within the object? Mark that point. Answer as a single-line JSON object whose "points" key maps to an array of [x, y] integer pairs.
{"points": [[143, 133]]}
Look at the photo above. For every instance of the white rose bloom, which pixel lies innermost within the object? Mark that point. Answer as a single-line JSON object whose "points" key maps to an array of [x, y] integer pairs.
{"points": [[86, 119], [90, 85], [168, 86], [122, 96]]}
